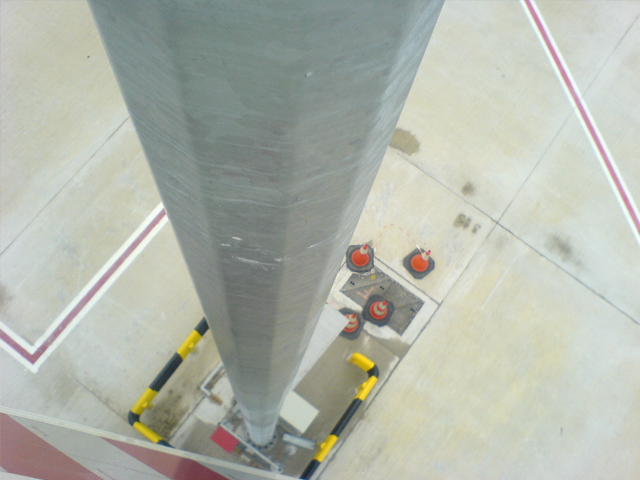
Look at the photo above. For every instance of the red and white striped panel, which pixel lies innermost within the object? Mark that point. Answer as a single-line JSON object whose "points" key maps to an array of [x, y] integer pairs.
{"points": [[37, 448]]}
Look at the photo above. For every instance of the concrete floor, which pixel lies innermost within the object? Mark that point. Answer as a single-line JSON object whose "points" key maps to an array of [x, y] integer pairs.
{"points": [[526, 368]]}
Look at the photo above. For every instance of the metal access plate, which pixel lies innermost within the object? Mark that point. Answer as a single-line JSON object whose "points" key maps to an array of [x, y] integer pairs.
{"points": [[360, 287]]}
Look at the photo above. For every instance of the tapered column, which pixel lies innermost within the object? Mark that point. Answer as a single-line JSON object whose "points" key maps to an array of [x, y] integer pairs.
{"points": [[264, 123]]}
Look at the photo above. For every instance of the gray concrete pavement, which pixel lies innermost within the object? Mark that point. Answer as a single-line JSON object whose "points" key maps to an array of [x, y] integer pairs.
{"points": [[526, 368]]}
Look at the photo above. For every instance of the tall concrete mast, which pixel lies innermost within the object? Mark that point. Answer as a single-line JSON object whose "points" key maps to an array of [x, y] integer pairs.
{"points": [[264, 123]]}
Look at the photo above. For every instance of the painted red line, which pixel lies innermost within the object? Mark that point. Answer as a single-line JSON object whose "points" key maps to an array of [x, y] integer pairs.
{"points": [[33, 357], [585, 117], [22, 452], [172, 466]]}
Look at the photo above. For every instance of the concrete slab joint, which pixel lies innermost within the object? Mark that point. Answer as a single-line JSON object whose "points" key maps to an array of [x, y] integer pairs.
{"points": [[264, 123]]}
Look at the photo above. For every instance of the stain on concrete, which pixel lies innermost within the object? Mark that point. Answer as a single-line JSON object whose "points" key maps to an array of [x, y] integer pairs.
{"points": [[404, 141], [168, 414], [463, 221], [561, 246], [468, 189]]}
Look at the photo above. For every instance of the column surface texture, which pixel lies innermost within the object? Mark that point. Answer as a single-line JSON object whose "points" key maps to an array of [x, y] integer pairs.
{"points": [[264, 123]]}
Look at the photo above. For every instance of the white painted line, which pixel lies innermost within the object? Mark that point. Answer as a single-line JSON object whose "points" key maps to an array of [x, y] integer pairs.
{"points": [[101, 292], [96, 278], [17, 355], [598, 144], [17, 338], [32, 356]]}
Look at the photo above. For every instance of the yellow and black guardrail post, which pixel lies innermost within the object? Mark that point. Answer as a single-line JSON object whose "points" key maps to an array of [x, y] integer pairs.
{"points": [[368, 366], [144, 402]]}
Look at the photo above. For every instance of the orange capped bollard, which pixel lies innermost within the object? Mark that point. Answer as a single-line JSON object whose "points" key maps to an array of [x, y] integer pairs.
{"points": [[377, 310], [419, 263], [360, 258], [354, 325]]}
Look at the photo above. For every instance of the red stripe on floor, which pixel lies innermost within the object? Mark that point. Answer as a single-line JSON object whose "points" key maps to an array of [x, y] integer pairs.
{"points": [[33, 357], [172, 466], [633, 214], [24, 453], [9, 341]]}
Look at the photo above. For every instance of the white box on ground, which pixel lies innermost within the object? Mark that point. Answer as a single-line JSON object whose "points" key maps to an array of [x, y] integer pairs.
{"points": [[297, 413]]}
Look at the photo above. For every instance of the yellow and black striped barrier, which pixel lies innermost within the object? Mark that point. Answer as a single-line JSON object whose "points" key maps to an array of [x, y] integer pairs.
{"points": [[368, 366], [144, 402]]}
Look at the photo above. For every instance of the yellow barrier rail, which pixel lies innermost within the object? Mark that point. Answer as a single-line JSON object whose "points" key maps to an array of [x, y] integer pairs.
{"points": [[144, 402], [364, 390]]}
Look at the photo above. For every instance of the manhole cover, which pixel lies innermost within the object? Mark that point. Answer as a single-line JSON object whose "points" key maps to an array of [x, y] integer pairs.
{"points": [[359, 287]]}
